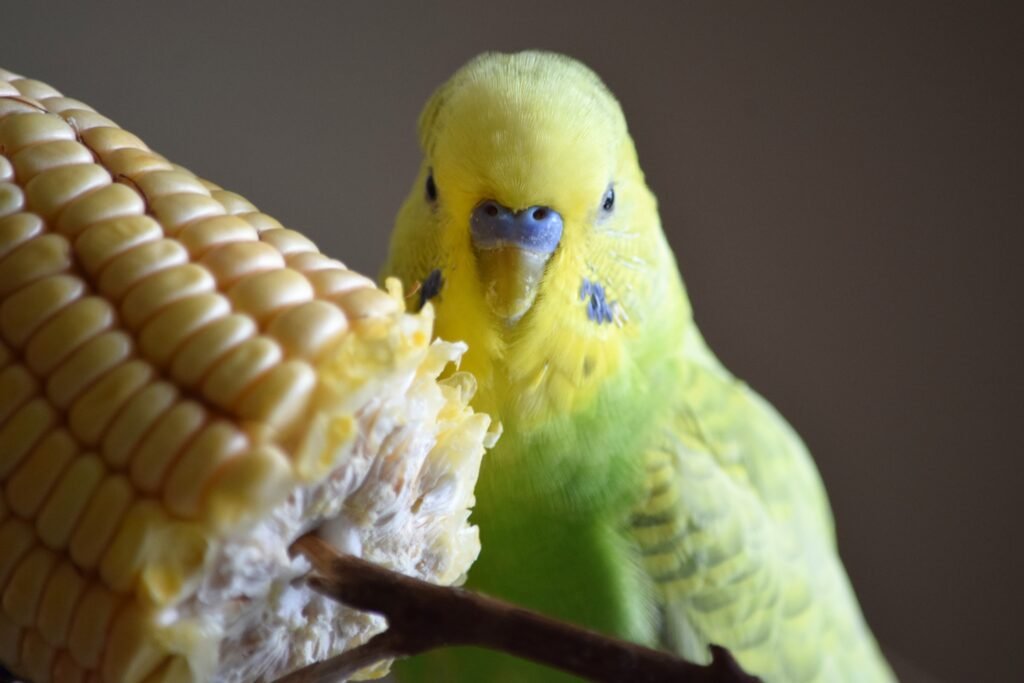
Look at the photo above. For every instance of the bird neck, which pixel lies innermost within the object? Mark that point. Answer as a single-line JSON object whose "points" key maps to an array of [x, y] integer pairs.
{"points": [[571, 449]]}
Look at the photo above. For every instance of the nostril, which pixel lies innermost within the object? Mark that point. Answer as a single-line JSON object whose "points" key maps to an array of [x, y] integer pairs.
{"points": [[537, 228]]}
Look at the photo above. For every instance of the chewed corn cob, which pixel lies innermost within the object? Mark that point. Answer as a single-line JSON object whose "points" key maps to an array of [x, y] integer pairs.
{"points": [[186, 387]]}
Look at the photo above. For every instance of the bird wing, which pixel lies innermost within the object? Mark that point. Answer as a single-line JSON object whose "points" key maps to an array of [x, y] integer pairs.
{"points": [[735, 533]]}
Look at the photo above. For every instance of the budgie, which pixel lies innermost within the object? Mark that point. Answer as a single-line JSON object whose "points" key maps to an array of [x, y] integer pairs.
{"points": [[638, 488]]}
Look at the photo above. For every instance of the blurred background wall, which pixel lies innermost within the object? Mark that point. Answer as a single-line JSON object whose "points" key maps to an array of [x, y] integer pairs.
{"points": [[842, 186]]}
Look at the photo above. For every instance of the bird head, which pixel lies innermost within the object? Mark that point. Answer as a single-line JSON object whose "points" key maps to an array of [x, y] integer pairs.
{"points": [[529, 226]]}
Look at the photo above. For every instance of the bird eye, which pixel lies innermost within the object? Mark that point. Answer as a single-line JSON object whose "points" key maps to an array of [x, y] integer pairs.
{"points": [[608, 201], [431, 187]]}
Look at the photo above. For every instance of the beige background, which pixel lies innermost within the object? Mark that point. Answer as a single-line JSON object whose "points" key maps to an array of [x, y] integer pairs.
{"points": [[843, 188]]}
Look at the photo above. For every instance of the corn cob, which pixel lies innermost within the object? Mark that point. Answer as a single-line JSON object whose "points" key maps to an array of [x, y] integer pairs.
{"points": [[186, 386]]}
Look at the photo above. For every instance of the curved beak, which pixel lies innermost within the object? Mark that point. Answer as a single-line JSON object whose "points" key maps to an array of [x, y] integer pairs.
{"points": [[512, 249]]}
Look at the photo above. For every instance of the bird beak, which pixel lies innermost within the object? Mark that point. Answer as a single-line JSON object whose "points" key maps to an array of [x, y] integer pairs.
{"points": [[512, 249], [511, 278]]}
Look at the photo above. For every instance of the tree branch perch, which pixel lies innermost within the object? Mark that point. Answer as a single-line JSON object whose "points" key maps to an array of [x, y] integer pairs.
{"points": [[422, 616]]}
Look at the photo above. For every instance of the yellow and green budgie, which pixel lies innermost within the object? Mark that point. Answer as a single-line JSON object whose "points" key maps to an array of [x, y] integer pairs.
{"points": [[638, 488]]}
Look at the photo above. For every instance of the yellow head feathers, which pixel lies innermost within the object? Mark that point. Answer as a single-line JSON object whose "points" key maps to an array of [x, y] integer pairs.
{"points": [[531, 230], [524, 129]]}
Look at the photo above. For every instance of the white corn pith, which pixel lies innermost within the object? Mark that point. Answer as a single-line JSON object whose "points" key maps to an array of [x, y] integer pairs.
{"points": [[186, 387]]}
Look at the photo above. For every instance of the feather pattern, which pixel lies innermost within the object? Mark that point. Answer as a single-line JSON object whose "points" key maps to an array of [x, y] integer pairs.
{"points": [[735, 533]]}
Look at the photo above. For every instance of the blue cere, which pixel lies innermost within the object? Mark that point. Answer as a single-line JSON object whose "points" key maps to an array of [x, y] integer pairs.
{"points": [[599, 309], [431, 286], [537, 229]]}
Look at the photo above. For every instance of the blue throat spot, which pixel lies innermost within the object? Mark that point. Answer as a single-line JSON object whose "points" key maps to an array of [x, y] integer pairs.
{"points": [[431, 286], [599, 309]]}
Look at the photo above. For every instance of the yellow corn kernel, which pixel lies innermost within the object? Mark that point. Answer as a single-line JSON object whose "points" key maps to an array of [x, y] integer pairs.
{"points": [[20, 433], [16, 537], [51, 190], [131, 267], [163, 444], [31, 483], [306, 330], [367, 302], [261, 221], [263, 473], [288, 242], [93, 411], [81, 119], [10, 642], [57, 103], [99, 244], [31, 88], [263, 294], [208, 184], [107, 139], [178, 210], [12, 199], [45, 255], [67, 331], [100, 520], [37, 657], [59, 603], [21, 597], [131, 162], [63, 508], [111, 201], [125, 554], [131, 657], [91, 624], [217, 443], [163, 183], [280, 397], [87, 364], [21, 130], [65, 668], [30, 162], [17, 385], [23, 312], [144, 300], [239, 368], [333, 282], [177, 551], [16, 229], [12, 102], [164, 334], [204, 349], [128, 428], [202, 235], [231, 261], [233, 203], [311, 261]]}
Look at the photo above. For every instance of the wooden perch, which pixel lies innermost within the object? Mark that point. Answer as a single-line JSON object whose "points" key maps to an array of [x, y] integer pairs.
{"points": [[422, 616]]}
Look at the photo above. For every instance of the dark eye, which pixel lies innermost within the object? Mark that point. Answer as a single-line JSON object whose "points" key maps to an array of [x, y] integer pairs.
{"points": [[608, 201], [431, 187]]}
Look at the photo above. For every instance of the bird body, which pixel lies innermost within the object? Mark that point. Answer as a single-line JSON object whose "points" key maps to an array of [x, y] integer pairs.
{"points": [[638, 488]]}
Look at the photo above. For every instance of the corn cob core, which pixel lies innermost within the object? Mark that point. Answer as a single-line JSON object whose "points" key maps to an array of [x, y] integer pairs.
{"points": [[186, 387]]}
